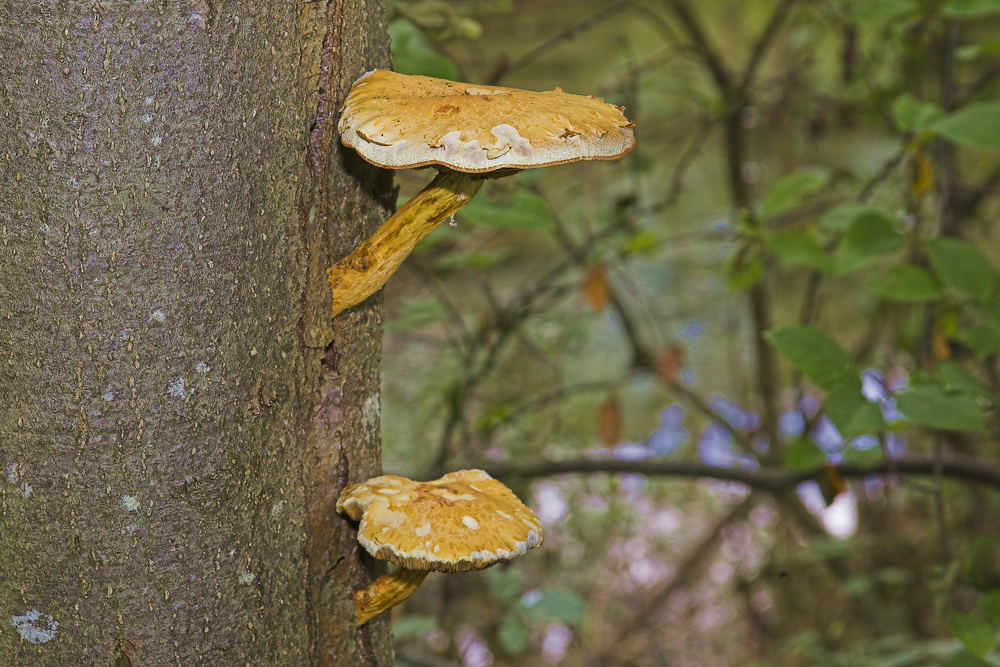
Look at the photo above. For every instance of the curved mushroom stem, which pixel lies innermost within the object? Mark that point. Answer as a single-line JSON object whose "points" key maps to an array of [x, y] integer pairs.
{"points": [[386, 592], [362, 273]]}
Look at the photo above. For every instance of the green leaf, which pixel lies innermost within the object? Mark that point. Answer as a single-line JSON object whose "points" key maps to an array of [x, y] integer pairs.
{"points": [[969, 9], [914, 115], [840, 218], [484, 259], [984, 340], [865, 458], [512, 635], [957, 378], [852, 413], [977, 635], [413, 625], [976, 125], [963, 658], [413, 53], [990, 604], [982, 564], [523, 209], [744, 270], [872, 235], [798, 247], [416, 314], [908, 283], [882, 10], [933, 407], [788, 191], [504, 582], [562, 604], [803, 455], [817, 356], [962, 267]]}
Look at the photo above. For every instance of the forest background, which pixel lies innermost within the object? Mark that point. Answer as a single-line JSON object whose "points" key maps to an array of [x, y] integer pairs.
{"points": [[748, 375]]}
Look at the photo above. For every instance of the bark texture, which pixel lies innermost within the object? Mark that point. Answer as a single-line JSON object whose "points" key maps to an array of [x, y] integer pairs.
{"points": [[176, 422]]}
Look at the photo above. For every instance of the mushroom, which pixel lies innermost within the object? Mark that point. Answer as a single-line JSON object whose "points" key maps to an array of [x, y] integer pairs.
{"points": [[470, 133], [463, 521]]}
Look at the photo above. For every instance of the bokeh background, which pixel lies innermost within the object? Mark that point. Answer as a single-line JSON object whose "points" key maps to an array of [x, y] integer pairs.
{"points": [[747, 375]]}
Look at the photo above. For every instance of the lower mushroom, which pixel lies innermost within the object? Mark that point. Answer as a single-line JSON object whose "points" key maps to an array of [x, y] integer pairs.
{"points": [[463, 521]]}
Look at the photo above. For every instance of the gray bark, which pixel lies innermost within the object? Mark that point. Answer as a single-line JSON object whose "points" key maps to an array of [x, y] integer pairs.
{"points": [[176, 422]]}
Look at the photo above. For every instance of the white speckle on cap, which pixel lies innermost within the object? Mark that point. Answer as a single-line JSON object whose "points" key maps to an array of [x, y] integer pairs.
{"points": [[470, 523], [509, 135], [388, 492], [391, 518], [437, 548], [35, 627], [424, 530], [504, 514]]}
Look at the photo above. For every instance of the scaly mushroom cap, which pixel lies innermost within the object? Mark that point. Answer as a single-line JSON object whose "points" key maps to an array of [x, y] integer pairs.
{"points": [[465, 520], [400, 121]]}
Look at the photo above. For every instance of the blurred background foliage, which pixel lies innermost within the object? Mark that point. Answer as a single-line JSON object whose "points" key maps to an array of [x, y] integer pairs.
{"points": [[748, 375]]}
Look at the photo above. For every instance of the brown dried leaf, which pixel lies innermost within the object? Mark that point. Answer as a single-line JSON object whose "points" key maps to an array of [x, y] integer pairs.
{"points": [[595, 288], [670, 362], [609, 420]]}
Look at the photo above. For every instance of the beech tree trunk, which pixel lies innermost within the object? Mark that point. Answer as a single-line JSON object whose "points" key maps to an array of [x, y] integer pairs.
{"points": [[179, 412]]}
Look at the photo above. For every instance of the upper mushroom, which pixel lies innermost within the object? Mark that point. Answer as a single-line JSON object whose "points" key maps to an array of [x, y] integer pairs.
{"points": [[400, 121], [465, 520]]}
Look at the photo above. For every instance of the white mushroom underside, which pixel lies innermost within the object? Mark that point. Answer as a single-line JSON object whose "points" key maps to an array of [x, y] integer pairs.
{"points": [[475, 560], [511, 150]]}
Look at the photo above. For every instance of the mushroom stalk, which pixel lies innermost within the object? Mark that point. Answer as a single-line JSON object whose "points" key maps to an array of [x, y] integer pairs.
{"points": [[362, 273], [386, 592]]}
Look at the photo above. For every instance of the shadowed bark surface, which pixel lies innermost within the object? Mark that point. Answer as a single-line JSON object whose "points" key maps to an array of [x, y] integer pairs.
{"points": [[176, 421]]}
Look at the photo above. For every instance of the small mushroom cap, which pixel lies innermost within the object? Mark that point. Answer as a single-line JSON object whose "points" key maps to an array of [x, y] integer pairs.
{"points": [[465, 520], [398, 121]]}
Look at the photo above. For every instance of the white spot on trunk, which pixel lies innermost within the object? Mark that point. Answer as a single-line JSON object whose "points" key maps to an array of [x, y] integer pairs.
{"points": [[35, 627], [177, 389]]}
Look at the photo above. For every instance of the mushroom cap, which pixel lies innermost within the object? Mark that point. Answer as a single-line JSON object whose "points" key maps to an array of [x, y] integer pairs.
{"points": [[398, 121], [465, 520]]}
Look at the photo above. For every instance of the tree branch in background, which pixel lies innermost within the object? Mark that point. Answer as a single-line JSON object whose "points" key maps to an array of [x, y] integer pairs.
{"points": [[764, 479]]}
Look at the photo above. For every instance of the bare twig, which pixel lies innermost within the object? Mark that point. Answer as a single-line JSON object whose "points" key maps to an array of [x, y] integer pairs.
{"points": [[766, 479]]}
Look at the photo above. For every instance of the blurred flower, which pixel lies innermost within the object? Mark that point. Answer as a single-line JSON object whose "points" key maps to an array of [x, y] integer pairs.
{"points": [[692, 330], [555, 641], [671, 434], [549, 503], [473, 649], [826, 435], [734, 414], [631, 451], [531, 598], [715, 446], [792, 423]]}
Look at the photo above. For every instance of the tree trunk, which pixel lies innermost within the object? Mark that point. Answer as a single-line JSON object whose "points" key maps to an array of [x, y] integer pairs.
{"points": [[176, 422]]}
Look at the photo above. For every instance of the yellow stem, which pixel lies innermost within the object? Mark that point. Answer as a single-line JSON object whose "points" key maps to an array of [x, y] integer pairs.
{"points": [[362, 273], [386, 592]]}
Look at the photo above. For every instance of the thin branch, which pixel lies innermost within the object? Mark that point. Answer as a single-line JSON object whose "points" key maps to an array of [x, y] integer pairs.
{"points": [[765, 479], [505, 68]]}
